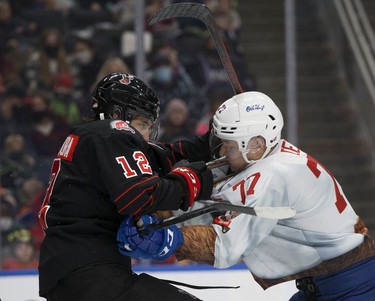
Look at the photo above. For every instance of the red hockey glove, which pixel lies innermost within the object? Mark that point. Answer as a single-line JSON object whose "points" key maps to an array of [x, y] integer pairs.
{"points": [[196, 180]]}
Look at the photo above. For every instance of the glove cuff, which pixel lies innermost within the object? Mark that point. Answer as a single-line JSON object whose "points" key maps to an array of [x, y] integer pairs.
{"points": [[173, 239], [190, 181]]}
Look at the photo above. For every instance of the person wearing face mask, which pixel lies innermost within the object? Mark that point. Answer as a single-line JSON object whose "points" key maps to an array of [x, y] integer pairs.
{"points": [[107, 168], [83, 56], [23, 252], [14, 113], [17, 161], [209, 68], [85, 62], [163, 75], [175, 125], [48, 60], [170, 80], [62, 100], [48, 130], [8, 209], [163, 72]]}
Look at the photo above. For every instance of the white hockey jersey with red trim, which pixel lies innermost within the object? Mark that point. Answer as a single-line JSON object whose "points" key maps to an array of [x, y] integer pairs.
{"points": [[322, 228]]}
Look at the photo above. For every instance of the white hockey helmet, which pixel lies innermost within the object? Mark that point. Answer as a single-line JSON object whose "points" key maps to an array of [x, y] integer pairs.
{"points": [[248, 115]]}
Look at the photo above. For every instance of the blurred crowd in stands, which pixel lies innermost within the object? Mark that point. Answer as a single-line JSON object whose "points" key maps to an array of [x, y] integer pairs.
{"points": [[52, 54]]}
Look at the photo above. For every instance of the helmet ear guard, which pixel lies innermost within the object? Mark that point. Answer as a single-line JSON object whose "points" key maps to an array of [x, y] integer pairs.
{"points": [[118, 112]]}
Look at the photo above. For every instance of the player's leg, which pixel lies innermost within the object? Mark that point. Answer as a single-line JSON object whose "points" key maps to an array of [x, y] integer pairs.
{"points": [[299, 296], [93, 283], [355, 283], [149, 288], [114, 282]]}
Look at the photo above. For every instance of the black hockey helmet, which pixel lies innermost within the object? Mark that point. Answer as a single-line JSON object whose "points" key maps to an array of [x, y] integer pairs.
{"points": [[124, 96]]}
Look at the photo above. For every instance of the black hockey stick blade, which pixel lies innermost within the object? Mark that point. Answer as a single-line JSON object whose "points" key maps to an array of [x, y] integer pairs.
{"points": [[215, 206], [189, 10], [202, 13]]}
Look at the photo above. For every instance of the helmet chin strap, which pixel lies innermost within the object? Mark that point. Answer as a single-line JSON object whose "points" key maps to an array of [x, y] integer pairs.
{"points": [[102, 116]]}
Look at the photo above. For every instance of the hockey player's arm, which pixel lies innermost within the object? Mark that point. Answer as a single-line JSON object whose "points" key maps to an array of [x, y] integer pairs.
{"points": [[136, 189], [199, 244], [192, 149], [195, 181]]}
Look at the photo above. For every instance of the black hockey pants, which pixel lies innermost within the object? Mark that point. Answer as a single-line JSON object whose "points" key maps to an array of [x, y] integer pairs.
{"points": [[111, 282]]}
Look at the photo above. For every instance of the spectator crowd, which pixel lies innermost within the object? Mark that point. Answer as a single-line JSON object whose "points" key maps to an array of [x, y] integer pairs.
{"points": [[52, 54]]}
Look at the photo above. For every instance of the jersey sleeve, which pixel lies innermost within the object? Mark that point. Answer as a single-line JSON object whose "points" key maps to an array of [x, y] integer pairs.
{"points": [[192, 149], [129, 178]]}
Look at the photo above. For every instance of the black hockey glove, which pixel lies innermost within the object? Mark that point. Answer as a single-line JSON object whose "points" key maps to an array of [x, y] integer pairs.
{"points": [[195, 179]]}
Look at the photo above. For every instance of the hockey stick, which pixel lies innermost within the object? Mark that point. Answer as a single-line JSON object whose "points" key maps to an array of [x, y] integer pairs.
{"points": [[215, 206], [201, 13], [217, 163]]}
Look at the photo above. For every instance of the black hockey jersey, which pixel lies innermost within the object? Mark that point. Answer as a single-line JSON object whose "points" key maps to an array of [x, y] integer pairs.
{"points": [[104, 170]]}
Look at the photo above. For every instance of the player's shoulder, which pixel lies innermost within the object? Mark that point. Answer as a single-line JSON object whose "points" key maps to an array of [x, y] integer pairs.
{"points": [[287, 150], [283, 158], [157, 146], [288, 158], [104, 128]]}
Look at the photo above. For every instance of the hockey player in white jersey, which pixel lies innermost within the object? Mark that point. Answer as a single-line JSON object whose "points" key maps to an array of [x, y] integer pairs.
{"points": [[325, 247]]}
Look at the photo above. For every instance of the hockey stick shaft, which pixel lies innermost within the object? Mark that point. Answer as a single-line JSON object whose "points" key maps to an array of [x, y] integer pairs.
{"points": [[214, 206], [217, 163], [203, 14]]}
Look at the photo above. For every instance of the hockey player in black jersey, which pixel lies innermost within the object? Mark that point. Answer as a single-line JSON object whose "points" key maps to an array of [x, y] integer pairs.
{"points": [[107, 168]]}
